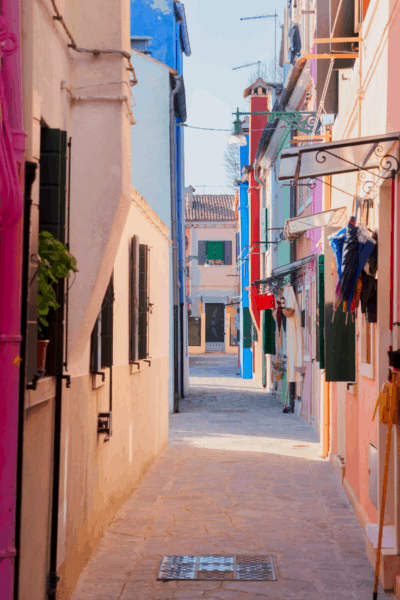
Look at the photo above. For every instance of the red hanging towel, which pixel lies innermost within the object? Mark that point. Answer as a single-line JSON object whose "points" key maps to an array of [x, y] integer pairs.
{"points": [[265, 301]]}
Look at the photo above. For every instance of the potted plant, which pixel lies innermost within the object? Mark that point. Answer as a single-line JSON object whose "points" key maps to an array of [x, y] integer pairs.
{"points": [[55, 263]]}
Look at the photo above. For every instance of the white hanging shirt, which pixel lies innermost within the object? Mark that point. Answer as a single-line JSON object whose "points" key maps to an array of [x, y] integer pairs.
{"points": [[293, 335]]}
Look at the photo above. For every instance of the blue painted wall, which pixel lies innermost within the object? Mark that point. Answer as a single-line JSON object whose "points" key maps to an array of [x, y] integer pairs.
{"points": [[246, 369], [156, 19]]}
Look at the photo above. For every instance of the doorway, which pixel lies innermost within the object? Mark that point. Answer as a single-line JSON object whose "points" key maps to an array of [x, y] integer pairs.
{"points": [[215, 328]]}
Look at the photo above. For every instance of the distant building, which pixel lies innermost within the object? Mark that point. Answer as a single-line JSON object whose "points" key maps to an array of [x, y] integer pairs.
{"points": [[211, 233]]}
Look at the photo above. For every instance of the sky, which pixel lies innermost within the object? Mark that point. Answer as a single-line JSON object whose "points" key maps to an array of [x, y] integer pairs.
{"points": [[219, 41]]}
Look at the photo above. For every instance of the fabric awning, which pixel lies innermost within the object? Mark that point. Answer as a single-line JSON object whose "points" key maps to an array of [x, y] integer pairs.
{"points": [[335, 217], [343, 156]]}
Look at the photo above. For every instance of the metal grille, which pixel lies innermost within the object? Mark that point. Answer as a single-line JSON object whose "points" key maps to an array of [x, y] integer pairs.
{"points": [[255, 568], [218, 567]]}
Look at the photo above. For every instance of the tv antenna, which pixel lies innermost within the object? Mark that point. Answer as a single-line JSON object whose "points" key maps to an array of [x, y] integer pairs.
{"points": [[274, 16], [258, 62]]}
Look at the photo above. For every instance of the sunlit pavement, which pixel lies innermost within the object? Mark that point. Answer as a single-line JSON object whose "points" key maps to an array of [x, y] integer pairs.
{"points": [[239, 478]]}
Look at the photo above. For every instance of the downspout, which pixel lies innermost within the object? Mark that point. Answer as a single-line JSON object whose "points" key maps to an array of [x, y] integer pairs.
{"points": [[174, 235], [262, 316], [10, 283], [30, 175]]}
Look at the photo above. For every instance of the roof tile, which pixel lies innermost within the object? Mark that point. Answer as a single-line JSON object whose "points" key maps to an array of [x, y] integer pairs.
{"points": [[211, 208]]}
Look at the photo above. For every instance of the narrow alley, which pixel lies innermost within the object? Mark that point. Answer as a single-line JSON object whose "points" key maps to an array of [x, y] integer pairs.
{"points": [[238, 478]]}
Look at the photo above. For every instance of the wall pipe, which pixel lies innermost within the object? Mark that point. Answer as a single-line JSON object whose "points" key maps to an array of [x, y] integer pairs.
{"points": [[12, 173], [30, 175], [174, 235]]}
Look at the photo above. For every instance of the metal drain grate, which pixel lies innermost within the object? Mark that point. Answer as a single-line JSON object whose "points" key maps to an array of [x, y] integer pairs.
{"points": [[218, 567]]}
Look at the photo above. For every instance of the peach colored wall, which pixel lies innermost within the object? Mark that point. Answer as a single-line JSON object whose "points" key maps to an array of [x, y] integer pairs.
{"points": [[96, 476]]}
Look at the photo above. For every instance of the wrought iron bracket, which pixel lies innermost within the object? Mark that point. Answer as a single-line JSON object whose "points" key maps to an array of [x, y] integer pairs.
{"points": [[103, 423], [33, 384], [103, 375], [148, 361], [67, 378], [299, 120]]}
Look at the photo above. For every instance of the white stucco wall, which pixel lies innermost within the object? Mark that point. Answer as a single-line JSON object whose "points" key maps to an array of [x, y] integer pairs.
{"points": [[150, 145]]}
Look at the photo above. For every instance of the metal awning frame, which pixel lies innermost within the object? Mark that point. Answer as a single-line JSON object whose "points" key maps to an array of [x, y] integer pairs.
{"points": [[385, 163]]}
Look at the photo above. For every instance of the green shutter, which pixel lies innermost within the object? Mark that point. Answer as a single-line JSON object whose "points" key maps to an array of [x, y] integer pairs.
{"points": [[269, 332], [215, 251], [246, 328]]}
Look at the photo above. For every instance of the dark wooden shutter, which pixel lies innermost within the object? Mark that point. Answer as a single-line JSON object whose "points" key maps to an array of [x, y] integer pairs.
{"points": [[107, 326], [201, 253], [143, 300], [269, 332], [266, 229], [228, 253], [246, 328], [237, 246], [52, 203], [53, 169], [94, 347], [134, 300]]}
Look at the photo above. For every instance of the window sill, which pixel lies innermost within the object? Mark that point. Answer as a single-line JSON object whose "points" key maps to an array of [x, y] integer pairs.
{"points": [[97, 380], [45, 390]]}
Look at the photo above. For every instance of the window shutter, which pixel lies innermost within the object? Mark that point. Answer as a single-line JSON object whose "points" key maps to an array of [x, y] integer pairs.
{"points": [[107, 326], [143, 300], [228, 253], [52, 204], [95, 348], [201, 252], [237, 245], [134, 300], [266, 229], [246, 328], [269, 332]]}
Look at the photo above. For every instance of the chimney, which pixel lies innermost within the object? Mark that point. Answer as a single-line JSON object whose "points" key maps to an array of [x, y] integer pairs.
{"points": [[189, 196]]}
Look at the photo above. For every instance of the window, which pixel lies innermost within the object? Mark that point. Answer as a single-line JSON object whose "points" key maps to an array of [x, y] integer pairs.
{"points": [[101, 352], [361, 7], [367, 335], [215, 252], [139, 305]]}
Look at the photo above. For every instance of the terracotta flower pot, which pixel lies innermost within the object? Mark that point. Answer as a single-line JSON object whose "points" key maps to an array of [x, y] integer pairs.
{"points": [[41, 356]]}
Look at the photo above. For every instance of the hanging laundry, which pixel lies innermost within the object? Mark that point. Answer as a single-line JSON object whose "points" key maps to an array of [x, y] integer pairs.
{"points": [[295, 43], [294, 336], [366, 245], [336, 242]]}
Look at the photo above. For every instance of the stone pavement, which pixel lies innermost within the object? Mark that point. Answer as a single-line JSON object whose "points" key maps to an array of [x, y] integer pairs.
{"points": [[238, 477]]}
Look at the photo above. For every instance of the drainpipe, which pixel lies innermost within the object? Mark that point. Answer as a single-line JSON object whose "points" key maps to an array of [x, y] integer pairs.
{"points": [[30, 175], [10, 282], [174, 235]]}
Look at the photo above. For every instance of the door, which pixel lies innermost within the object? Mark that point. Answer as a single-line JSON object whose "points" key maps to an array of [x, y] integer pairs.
{"points": [[215, 326]]}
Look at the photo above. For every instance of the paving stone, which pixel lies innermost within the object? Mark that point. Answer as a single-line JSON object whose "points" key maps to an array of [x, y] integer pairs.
{"points": [[234, 483]]}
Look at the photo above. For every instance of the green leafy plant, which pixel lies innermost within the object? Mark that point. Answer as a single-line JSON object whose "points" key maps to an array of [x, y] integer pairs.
{"points": [[55, 263]]}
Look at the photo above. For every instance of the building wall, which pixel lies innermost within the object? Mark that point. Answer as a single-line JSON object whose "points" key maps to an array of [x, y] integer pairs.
{"points": [[97, 477], [359, 117], [212, 280], [156, 20]]}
